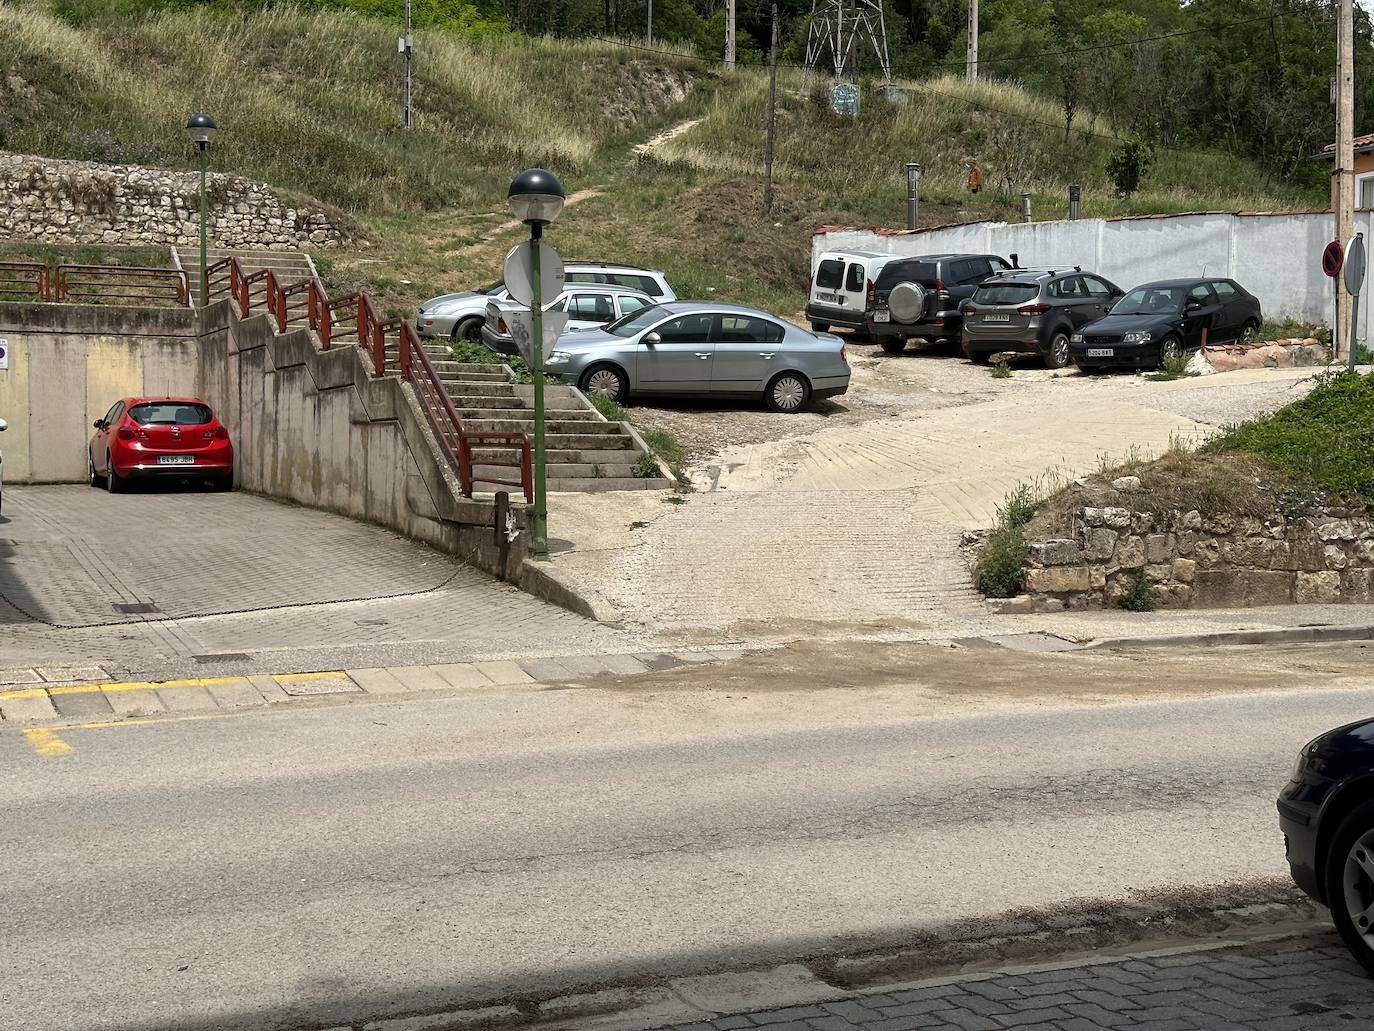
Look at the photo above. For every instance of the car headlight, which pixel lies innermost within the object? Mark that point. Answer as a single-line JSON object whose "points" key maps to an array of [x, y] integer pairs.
{"points": [[1139, 337], [1077, 338], [558, 358]]}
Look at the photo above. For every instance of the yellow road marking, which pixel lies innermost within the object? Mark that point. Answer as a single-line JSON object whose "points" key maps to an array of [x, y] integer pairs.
{"points": [[46, 743], [152, 685]]}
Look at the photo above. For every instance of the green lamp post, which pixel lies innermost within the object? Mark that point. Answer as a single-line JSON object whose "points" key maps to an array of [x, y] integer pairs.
{"points": [[201, 129], [536, 196]]}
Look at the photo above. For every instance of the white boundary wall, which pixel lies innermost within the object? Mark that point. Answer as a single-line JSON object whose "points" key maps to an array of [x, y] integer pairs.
{"points": [[1276, 257]]}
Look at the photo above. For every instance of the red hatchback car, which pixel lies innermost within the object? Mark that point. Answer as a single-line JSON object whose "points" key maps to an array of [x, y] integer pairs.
{"points": [[174, 437]]}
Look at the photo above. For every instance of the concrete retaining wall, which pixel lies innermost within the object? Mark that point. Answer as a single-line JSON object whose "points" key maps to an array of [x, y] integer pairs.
{"points": [[1275, 256], [1193, 560], [69, 363], [314, 427]]}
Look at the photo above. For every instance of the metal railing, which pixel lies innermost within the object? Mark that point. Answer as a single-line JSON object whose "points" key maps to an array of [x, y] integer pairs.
{"points": [[26, 280], [353, 319], [106, 284]]}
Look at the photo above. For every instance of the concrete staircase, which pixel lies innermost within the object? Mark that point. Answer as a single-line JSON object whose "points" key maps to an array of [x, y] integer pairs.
{"points": [[290, 266], [585, 452]]}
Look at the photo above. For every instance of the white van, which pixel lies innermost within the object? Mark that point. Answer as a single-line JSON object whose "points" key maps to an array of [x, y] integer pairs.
{"points": [[842, 288]]}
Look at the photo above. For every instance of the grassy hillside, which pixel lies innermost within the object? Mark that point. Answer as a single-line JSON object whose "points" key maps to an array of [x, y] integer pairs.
{"points": [[306, 100]]}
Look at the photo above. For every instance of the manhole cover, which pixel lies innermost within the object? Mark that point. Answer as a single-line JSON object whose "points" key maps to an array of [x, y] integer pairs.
{"points": [[130, 608]]}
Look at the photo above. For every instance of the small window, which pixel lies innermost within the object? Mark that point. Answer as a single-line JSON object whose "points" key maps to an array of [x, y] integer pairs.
{"points": [[740, 329], [112, 416], [1367, 192], [855, 281], [1097, 288], [170, 413], [830, 274], [998, 265], [1225, 291], [591, 308], [688, 329], [1201, 294], [559, 305], [629, 304], [978, 270], [1056, 289]]}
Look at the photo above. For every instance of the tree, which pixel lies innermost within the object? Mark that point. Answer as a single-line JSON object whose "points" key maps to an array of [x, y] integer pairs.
{"points": [[1128, 166]]}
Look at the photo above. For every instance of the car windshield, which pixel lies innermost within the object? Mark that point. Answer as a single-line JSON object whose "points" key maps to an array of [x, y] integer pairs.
{"points": [[1151, 300], [170, 413], [637, 322], [492, 288]]}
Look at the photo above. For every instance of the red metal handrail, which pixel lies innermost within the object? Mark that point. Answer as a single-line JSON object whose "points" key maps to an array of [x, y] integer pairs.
{"points": [[25, 278], [121, 283], [321, 313]]}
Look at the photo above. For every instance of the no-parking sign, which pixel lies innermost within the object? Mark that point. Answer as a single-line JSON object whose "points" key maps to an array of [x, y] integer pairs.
{"points": [[4, 354]]}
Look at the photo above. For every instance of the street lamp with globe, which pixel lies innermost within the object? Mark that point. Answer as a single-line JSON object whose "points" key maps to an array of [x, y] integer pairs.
{"points": [[201, 129], [536, 197]]}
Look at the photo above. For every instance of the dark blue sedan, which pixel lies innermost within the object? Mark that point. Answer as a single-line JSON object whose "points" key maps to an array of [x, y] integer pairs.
{"points": [[1161, 321], [1326, 813]]}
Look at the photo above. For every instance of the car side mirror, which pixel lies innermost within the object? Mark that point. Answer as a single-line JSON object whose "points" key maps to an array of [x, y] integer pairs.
{"points": [[652, 338], [99, 424], [3, 425], [1193, 306]]}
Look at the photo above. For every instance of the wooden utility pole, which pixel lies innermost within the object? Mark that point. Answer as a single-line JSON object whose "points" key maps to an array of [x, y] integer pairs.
{"points": [[649, 31], [971, 60], [772, 115], [407, 44], [730, 33], [1345, 164]]}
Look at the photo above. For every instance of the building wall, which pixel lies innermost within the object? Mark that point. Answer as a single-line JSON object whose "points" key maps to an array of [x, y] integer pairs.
{"points": [[1276, 257], [1364, 165], [69, 363]]}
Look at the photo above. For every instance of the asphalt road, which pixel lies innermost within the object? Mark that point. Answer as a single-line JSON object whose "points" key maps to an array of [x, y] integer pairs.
{"points": [[312, 867]]}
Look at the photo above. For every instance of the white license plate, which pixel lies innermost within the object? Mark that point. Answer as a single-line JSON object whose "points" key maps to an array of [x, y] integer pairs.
{"points": [[176, 459], [830, 298], [1101, 352], [997, 318], [882, 316]]}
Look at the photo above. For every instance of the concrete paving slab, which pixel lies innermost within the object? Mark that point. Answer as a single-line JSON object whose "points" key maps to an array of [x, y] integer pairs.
{"points": [[266, 686], [186, 698], [234, 694], [503, 672], [377, 681], [19, 676], [624, 664], [584, 665], [27, 707], [419, 678], [135, 703], [462, 674], [545, 670], [72, 674], [788, 985], [89, 705], [305, 684]]}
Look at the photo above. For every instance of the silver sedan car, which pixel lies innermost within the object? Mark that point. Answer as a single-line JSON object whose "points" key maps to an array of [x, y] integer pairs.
{"points": [[701, 348]]}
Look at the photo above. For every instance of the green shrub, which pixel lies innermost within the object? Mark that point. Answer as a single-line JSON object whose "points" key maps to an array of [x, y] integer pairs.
{"points": [[609, 409], [1324, 441], [475, 354], [1001, 371], [1175, 367], [1001, 569], [1019, 507], [646, 468], [1140, 595]]}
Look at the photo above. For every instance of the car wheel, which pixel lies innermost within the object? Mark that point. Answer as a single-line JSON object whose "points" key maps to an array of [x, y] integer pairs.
{"points": [[469, 329], [1057, 357], [114, 483], [224, 483], [893, 345], [787, 392], [1169, 350], [1249, 331], [93, 477], [1349, 878], [820, 327], [605, 381], [978, 357]]}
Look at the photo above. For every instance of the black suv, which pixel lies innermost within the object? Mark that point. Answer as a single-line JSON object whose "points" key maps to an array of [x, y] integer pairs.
{"points": [[921, 297], [1036, 310]]}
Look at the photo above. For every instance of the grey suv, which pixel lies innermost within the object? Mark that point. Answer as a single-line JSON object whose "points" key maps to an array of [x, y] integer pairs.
{"points": [[921, 297], [1036, 310]]}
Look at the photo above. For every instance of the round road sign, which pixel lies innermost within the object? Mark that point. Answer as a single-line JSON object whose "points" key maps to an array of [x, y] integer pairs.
{"points": [[1332, 259], [1354, 264], [519, 274]]}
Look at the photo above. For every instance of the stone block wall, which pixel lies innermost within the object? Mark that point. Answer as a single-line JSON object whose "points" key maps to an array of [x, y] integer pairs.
{"points": [[80, 202], [1207, 562]]}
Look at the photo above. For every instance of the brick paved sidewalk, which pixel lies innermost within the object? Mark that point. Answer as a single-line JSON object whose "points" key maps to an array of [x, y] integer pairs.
{"points": [[1294, 984]]}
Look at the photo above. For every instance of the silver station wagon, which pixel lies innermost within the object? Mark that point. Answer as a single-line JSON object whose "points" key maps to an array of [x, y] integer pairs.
{"points": [[698, 348]]}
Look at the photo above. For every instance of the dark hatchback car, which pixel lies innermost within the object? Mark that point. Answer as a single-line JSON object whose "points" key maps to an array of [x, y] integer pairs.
{"points": [[1160, 321], [921, 297], [1035, 311], [1326, 813]]}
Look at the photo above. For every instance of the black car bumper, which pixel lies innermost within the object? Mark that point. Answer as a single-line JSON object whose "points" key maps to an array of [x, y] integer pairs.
{"points": [[1129, 356], [1298, 821], [499, 344], [983, 345], [948, 327], [835, 316]]}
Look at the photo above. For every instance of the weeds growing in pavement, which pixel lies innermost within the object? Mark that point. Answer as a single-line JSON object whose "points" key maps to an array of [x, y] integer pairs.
{"points": [[1174, 367], [1140, 594], [1001, 371], [1001, 568]]}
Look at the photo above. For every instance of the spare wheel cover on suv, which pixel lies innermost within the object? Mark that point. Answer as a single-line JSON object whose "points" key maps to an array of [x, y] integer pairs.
{"points": [[907, 302]]}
